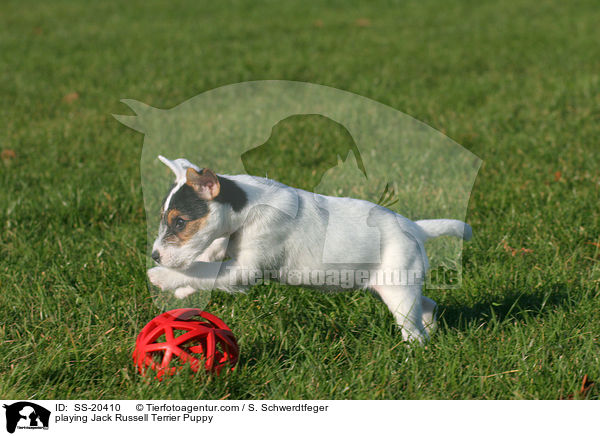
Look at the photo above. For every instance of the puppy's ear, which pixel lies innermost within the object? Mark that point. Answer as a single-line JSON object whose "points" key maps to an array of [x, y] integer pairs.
{"points": [[204, 182]]}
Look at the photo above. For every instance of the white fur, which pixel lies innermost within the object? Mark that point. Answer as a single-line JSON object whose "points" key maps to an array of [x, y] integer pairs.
{"points": [[179, 167], [283, 229]]}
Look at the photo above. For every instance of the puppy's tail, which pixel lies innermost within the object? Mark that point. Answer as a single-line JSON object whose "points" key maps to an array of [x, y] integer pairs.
{"points": [[435, 228]]}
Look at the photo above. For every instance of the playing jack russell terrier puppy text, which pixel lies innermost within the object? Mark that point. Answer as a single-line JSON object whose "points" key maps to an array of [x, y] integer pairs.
{"points": [[222, 231]]}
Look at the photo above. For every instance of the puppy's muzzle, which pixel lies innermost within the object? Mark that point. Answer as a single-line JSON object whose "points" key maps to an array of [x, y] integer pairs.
{"points": [[156, 256]]}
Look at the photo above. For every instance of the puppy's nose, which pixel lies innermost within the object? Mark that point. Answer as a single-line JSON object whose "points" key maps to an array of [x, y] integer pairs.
{"points": [[156, 256]]}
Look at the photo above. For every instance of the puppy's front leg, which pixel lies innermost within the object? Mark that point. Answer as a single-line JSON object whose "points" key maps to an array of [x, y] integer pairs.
{"points": [[215, 252], [231, 276], [227, 276], [167, 278], [186, 291]]}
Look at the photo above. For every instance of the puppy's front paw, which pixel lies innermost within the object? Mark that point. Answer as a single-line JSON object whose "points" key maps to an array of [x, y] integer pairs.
{"points": [[166, 278], [184, 292]]}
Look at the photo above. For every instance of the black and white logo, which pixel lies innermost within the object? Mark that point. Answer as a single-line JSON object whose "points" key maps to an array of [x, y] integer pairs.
{"points": [[26, 415]]}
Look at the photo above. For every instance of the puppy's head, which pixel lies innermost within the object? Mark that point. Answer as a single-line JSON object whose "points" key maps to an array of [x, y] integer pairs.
{"points": [[190, 220]]}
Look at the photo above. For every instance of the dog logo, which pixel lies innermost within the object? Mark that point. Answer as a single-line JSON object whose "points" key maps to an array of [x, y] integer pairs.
{"points": [[26, 415], [358, 148]]}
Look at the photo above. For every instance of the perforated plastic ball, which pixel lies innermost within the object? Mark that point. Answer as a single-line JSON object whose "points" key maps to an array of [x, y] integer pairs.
{"points": [[183, 337]]}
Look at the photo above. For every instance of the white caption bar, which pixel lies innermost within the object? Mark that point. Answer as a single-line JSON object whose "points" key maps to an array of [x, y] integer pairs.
{"points": [[157, 417]]}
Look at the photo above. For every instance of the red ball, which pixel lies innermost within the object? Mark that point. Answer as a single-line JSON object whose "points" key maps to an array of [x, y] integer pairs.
{"points": [[185, 336]]}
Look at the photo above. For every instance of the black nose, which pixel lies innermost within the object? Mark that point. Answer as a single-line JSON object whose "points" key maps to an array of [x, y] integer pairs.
{"points": [[156, 256]]}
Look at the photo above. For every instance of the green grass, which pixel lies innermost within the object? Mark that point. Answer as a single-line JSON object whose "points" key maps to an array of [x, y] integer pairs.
{"points": [[516, 83]]}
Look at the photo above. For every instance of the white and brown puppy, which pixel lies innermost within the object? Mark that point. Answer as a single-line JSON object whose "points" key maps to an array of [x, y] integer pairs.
{"points": [[271, 231]]}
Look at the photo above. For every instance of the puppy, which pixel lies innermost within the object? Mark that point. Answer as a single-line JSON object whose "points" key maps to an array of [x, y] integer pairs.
{"points": [[229, 232]]}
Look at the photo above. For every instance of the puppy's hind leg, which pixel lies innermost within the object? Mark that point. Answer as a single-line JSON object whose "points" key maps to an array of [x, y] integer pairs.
{"points": [[429, 314], [406, 305], [406, 260]]}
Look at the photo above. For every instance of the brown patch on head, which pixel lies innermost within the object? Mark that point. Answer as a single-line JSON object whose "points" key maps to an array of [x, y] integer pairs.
{"points": [[205, 183], [191, 228], [172, 215], [182, 231]]}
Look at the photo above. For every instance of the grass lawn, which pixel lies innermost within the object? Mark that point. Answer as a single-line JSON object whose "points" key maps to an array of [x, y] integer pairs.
{"points": [[517, 83]]}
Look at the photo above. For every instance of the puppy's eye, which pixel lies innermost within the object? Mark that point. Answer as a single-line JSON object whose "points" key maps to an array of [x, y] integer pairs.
{"points": [[179, 224]]}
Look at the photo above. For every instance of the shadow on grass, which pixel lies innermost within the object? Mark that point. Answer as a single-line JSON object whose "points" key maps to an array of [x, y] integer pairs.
{"points": [[512, 305], [357, 319], [326, 325]]}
